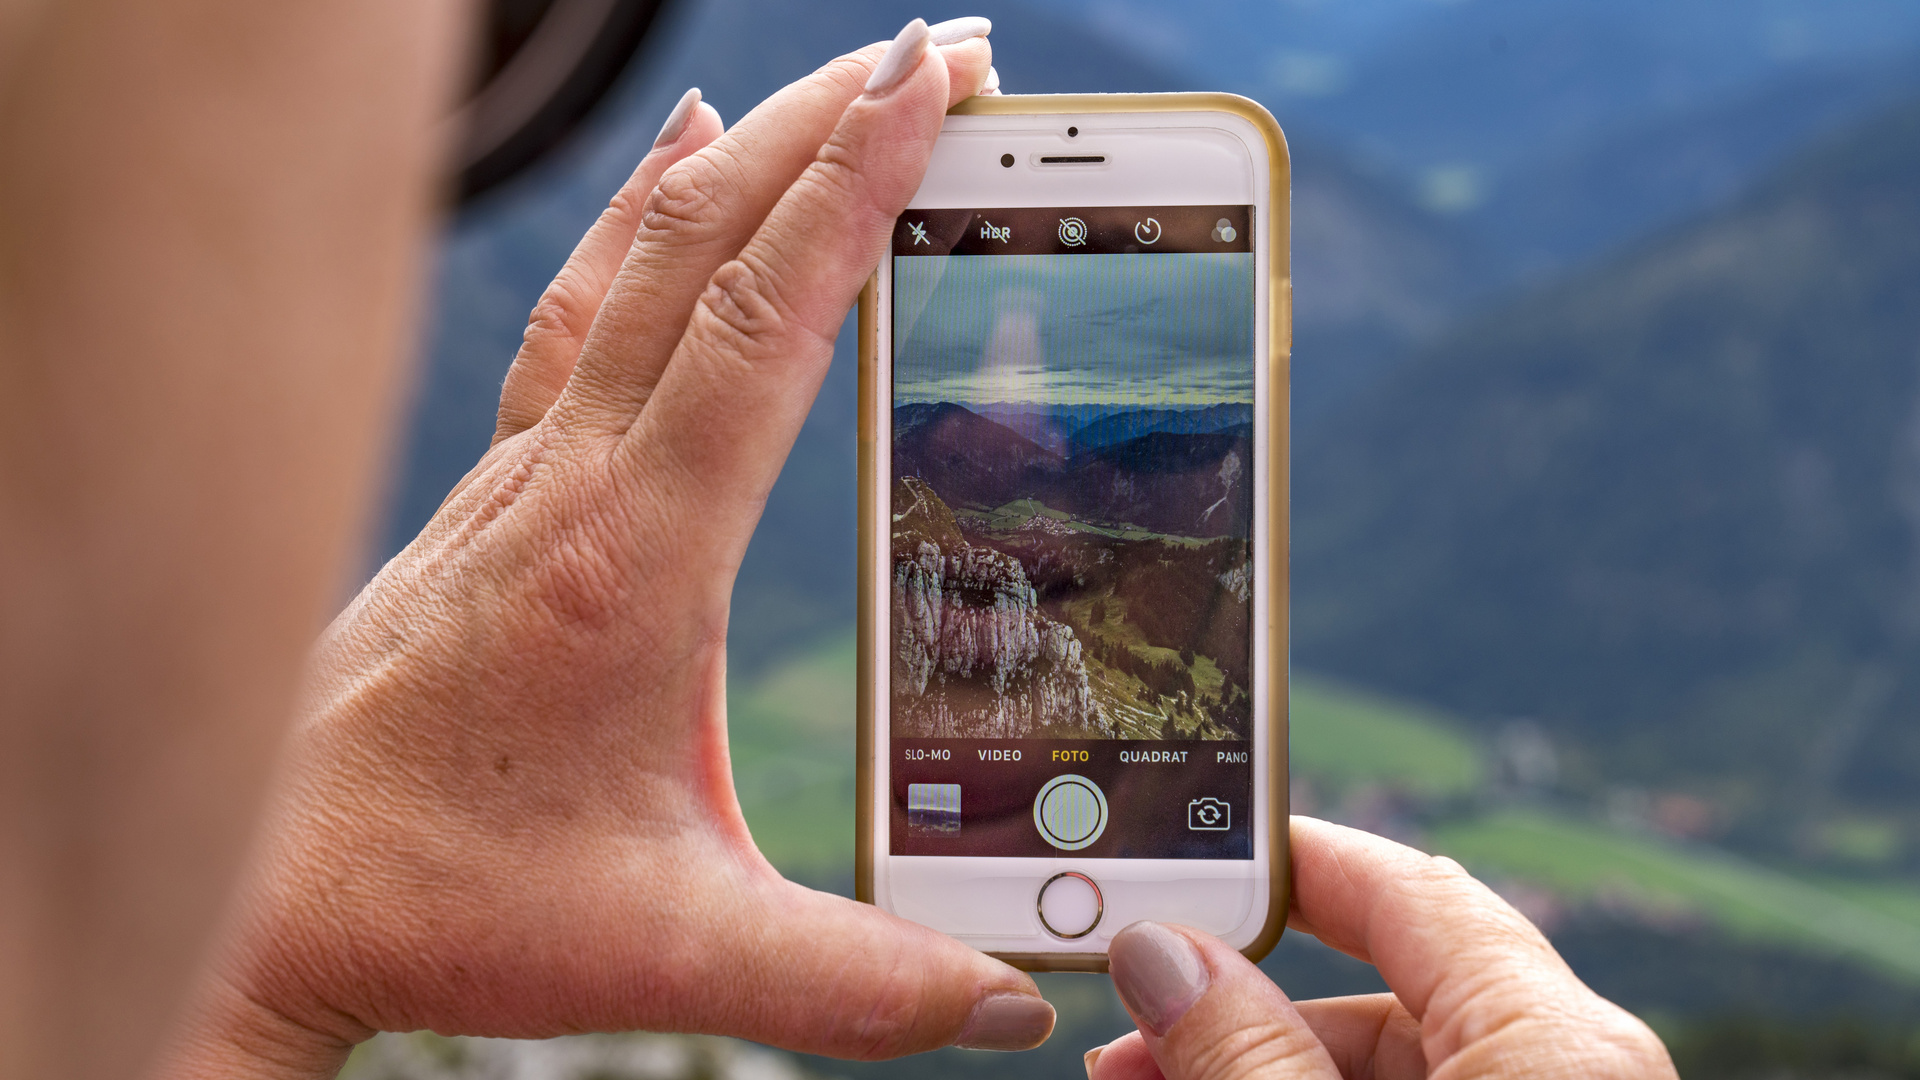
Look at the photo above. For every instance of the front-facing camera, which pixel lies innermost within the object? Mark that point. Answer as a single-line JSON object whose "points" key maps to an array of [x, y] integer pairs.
{"points": [[1006, 161]]}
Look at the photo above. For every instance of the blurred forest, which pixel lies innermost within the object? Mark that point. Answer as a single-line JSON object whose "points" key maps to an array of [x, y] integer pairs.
{"points": [[1607, 467]]}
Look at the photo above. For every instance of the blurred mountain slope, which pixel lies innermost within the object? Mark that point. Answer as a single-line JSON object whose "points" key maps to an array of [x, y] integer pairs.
{"points": [[1555, 131], [1498, 81], [1670, 507], [1551, 211]]}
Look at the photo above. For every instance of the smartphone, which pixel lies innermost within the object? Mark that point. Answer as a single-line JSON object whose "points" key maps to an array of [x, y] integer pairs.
{"points": [[1073, 530]]}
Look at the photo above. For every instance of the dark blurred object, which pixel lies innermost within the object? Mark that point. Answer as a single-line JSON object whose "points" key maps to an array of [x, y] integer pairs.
{"points": [[544, 66]]}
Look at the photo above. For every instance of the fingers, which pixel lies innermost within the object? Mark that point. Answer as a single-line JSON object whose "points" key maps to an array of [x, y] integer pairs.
{"points": [[703, 212], [1371, 1035], [1205, 1013], [1412, 915], [733, 397], [1476, 974], [560, 321], [825, 975], [1421, 920], [1125, 1058]]}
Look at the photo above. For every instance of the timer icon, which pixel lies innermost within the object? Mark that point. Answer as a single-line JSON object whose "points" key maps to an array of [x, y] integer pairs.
{"points": [[1148, 231]]}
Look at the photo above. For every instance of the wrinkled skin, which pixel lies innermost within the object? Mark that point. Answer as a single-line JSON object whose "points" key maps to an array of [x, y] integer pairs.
{"points": [[508, 809], [1477, 992]]}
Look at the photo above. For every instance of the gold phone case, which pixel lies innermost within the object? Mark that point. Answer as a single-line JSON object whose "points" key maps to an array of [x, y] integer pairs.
{"points": [[1280, 337]]}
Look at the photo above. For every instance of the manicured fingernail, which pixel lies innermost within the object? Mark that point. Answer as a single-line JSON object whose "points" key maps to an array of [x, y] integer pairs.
{"points": [[1090, 1057], [955, 31], [1159, 974], [901, 57], [992, 85], [1007, 1022], [676, 124]]}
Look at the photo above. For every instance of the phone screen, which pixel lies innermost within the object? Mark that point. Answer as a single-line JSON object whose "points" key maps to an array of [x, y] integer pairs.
{"points": [[1072, 489]]}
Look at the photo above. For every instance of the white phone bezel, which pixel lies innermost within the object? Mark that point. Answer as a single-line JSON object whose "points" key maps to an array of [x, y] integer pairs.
{"points": [[1196, 157]]}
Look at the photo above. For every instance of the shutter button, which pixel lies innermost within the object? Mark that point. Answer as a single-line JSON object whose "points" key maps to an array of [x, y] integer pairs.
{"points": [[1070, 812]]}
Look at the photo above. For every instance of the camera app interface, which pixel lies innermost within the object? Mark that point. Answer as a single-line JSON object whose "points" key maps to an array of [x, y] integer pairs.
{"points": [[1073, 483]]}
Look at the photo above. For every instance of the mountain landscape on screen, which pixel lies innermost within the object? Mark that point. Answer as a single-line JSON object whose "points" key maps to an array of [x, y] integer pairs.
{"points": [[1099, 594], [1152, 470]]}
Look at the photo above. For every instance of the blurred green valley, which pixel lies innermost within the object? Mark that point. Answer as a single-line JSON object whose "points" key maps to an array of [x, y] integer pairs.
{"points": [[1397, 768]]}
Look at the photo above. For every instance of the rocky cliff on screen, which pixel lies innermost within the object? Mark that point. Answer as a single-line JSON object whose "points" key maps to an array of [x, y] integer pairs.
{"points": [[974, 656], [1100, 593]]}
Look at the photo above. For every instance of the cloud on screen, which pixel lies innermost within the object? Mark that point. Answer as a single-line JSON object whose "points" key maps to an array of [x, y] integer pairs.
{"points": [[1164, 328]]}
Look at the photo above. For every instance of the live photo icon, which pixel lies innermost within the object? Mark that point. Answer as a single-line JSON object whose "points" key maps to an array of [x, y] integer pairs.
{"points": [[1209, 815]]}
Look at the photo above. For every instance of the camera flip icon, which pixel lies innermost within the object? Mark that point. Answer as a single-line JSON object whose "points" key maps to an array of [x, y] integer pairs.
{"points": [[1209, 815]]}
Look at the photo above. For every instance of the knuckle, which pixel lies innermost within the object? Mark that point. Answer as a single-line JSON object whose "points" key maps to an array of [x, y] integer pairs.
{"points": [[1440, 882], [1443, 875], [580, 591], [1552, 1043], [1508, 1012], [888, 1027], [1267, 1049], [1483, 1006], [1639, 1051], [629, 202], [837, 169], [737, 299], [560, 313], [744, 305], [687, 200]]}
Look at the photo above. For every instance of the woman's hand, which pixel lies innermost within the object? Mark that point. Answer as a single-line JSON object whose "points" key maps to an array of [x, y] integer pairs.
{"points": [[509, 810], [1477, 990]]}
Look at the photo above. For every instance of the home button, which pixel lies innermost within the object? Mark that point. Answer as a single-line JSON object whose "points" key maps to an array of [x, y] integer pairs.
{"points": [[1070, 905]]}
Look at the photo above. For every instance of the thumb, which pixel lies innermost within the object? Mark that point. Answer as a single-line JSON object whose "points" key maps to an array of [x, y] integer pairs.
{"points": [[825, 975], [1205, 1012]]}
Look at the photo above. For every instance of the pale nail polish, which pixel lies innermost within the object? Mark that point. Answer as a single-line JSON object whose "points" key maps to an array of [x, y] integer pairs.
{"points": [[1159, 974], [676, 124], [1007, 1021], [992, 85], [955, 31], [901, 57], [1090, 1057]]}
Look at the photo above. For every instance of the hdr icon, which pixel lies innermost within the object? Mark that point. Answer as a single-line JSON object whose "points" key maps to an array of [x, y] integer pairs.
{"points": [[990, 231]]}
